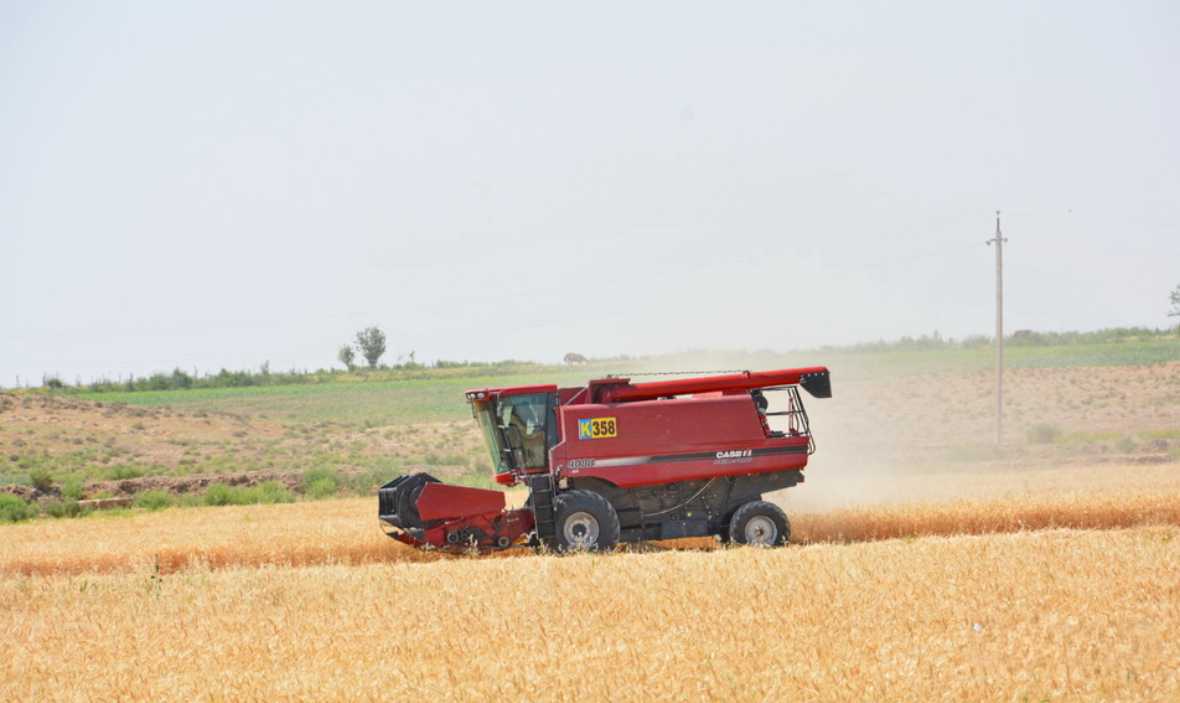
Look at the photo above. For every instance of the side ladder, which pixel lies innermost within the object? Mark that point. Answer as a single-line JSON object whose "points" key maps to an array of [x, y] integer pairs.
{"points": [[541, 501]]}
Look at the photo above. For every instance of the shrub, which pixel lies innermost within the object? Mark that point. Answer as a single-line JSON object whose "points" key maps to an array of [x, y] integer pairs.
{"points": [[433, 459], [71, 489], [456, 460], [320, 482], [217, 494], [154, 500], [265, 492], [1043, 433], [63, 508], [188, 500], [322, 488], [121, 472], [41, 479], [14, 509], [271, 492], [375, 476]]}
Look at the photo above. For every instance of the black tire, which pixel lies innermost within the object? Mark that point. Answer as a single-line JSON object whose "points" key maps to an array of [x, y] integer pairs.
{"points": [[760, 523], [584, 520]]}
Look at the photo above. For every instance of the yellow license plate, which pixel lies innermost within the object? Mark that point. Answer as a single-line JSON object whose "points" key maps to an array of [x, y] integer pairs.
{"points": [[598, 428]]}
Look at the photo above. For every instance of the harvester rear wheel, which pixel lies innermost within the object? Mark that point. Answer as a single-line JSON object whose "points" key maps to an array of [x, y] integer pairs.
{"points": [[760, 523], [584, 520]]}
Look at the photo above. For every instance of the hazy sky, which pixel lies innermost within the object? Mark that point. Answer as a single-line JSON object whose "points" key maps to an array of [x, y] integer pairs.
{"points": [[219, 184]]}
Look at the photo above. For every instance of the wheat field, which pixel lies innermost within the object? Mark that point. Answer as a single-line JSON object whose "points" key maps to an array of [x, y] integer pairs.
{"points": [[1062, 615], [1055, 595]]}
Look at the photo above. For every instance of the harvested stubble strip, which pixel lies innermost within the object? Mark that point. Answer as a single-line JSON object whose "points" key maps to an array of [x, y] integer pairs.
{"points": [[301, 534], [344, 532], [171, 560]]}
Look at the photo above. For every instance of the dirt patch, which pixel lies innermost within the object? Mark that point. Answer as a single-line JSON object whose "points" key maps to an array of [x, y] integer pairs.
{"points": [[183, 485], [1093, 411]]}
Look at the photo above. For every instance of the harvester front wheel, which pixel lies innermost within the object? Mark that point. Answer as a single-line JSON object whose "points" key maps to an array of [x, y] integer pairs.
{"points": [[584, 520], [760, 523]]}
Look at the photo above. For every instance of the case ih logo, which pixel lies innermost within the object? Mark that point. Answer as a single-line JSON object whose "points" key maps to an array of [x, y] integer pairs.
{"points": [[737, 456]]}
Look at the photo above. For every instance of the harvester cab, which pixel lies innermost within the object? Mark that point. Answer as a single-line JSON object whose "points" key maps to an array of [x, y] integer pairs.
{"points": [[617, 461], [519, 427]]}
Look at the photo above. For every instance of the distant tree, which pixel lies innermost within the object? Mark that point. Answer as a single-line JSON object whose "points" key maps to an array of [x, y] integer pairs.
{"points": [[346, 355], [371, 342], [179, 380], [1175, 298]]}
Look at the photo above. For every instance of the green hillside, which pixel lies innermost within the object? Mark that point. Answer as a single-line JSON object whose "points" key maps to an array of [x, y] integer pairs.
{"points": [[436, 395]]}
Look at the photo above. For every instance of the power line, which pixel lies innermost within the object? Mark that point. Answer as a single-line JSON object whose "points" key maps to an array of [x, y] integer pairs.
{"points": [[1151, 251], [1071, 216]]}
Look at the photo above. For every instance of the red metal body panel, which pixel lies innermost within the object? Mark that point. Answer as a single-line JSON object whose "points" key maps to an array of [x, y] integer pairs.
{"points": [[440, 501], [663, 441], [746, 380]]}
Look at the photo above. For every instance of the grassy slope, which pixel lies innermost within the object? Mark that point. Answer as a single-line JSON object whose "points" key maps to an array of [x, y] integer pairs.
{"points": [[374, 403], [441, 399], [879, 414]]}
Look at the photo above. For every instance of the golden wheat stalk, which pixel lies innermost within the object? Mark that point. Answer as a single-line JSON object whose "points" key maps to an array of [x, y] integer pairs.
{"points": [[346, 532], [1059, 615]]}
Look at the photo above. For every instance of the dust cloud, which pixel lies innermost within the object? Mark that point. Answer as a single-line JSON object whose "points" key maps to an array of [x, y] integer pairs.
{"points": [[904, 428]]}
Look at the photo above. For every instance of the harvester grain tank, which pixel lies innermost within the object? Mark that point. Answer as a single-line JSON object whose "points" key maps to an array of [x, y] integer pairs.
{"points": [[616, 461]]}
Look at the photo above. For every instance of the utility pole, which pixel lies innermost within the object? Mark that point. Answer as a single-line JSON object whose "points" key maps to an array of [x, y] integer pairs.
{"points": [[999, 242]]}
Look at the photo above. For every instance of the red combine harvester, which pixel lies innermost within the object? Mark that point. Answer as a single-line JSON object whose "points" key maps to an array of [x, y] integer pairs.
{"points": [[617, 461]]}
